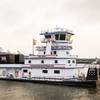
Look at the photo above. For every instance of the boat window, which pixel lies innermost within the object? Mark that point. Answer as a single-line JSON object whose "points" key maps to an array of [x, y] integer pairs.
{"points": [[48, 36], [44, 71], [25, 70], [56, 61], [42, 61], [67, 53], [57, 71], [69, 61], [29, 61], [4, 73], [73, 61], [55, 52], [62, 36], [3, 58], [16, 73], [57, 37]]}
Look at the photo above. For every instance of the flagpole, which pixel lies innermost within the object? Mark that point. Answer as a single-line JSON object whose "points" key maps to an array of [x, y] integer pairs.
{"points": [[34, 43]]}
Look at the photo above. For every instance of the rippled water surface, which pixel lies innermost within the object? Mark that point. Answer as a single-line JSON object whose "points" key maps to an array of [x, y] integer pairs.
{"points": [[31, 91]]}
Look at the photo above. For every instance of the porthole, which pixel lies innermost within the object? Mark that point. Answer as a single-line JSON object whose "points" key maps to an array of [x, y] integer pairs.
{"points": [[67, 53], [69, 61], [73, 61], [42, 61], [56, 61], [55, 52], [29, 61]]}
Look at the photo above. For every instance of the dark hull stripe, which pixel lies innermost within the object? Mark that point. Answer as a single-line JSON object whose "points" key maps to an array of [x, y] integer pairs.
{"points": [[86, 83]]}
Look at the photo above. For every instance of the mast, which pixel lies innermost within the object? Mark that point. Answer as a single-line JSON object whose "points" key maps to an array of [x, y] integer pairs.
{"points": [[33, 45]]}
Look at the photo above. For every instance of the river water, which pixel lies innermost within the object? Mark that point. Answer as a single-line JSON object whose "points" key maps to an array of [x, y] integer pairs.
{"points": [[30, 91]]}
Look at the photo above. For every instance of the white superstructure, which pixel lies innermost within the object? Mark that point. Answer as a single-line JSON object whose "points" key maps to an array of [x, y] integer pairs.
{"points": [[54, 59]]}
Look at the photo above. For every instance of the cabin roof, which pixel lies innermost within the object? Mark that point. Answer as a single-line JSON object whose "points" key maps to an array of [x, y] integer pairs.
{"points": [[57, 32]]}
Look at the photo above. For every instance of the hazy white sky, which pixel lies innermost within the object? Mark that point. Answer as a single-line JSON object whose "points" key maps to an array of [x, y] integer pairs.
{"points": [[20, 20]]}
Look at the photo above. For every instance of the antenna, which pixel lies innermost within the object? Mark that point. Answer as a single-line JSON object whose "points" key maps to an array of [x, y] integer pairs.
{"points": [[8, 51], [1, 49], [18, 52]]}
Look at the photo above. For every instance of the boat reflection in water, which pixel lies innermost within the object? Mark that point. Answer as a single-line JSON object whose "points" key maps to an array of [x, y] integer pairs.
{"points": [[29, 91]]}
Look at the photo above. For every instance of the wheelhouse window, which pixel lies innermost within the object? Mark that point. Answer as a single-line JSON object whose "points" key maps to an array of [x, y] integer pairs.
{"points": [[57, 71], [3, 58], [25, 70], [62, 36], [44, 71], [42, 61], [57, 37], [56, 61], [48, 36]]}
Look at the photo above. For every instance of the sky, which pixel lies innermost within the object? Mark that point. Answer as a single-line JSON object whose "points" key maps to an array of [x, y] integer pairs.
{"points": [[23, 20]]}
